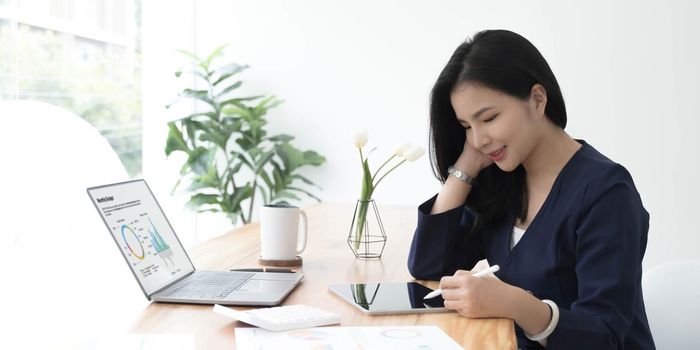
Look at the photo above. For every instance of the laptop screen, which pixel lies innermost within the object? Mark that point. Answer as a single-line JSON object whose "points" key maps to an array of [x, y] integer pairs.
{"points": [[142, 233]]}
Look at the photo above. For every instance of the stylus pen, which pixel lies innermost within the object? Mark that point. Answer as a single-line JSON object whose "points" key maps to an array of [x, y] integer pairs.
{"points": [[265, 269], [481, 273]]}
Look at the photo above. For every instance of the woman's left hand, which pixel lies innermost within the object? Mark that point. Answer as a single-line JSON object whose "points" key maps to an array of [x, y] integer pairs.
{"points": [[475, 297]]}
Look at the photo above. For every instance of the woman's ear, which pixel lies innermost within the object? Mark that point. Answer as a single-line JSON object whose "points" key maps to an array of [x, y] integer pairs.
{"points": [[538, 99]]}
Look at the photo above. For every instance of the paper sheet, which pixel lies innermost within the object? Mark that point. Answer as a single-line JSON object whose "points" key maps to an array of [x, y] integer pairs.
{"points": [[347, 338]]}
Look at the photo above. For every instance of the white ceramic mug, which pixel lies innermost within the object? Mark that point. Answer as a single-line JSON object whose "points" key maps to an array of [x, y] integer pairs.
{"points": [[279, 232]]}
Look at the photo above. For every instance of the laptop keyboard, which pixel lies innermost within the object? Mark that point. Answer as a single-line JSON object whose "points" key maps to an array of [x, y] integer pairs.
{"points": [[209, 285]]}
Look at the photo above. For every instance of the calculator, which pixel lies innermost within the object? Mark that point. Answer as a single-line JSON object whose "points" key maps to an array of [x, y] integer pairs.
{"points": [[282, 318]]}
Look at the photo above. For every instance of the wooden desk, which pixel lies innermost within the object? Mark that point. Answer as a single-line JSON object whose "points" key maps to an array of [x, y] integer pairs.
{"points": [[327, 260]]}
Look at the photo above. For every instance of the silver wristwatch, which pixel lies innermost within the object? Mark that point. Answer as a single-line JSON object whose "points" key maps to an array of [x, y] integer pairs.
{"points": [[461, 176]]}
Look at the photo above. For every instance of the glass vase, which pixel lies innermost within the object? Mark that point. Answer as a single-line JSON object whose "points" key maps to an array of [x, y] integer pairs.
{"points": [[367, 238]]}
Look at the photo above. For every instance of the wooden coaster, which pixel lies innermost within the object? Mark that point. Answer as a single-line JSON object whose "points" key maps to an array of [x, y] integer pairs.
{"points": [[281, 263]]}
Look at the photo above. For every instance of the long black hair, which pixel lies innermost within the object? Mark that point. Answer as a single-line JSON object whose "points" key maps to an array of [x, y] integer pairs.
{"points": [[503, 61]]}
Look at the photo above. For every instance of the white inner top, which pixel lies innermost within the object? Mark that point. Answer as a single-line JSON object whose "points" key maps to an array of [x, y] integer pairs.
{"points": [[517, 235]]}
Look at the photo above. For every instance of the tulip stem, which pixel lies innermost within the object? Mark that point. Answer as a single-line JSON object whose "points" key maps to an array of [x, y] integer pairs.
{"points": [[387, 173], [361, 222], [380, 168]]}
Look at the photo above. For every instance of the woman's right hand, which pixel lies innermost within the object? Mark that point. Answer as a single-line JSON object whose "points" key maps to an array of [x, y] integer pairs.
{"points": [[472, 161]]}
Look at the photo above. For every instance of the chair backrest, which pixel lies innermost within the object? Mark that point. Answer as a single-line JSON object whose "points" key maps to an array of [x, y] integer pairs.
{"points": [[672, 301], [59, 262]]}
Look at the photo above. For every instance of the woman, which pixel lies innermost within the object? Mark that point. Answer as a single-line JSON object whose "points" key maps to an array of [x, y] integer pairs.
{"points": [[565, 224]]}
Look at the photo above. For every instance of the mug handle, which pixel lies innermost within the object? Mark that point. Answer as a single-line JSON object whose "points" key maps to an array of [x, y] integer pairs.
{"points": [[303, 236]]}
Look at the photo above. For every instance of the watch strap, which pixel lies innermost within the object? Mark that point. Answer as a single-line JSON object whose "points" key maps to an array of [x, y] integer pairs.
{"points": [[461, 176]]}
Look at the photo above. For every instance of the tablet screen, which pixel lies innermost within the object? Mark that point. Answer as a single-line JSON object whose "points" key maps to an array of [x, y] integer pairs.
{"points": [[389, 298]]}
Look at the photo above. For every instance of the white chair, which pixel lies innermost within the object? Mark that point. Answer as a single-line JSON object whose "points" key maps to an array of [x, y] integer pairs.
{"points": [[672, 300], [62, 273]]}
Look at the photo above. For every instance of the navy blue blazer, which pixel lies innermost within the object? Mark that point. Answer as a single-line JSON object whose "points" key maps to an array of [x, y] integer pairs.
{"points": [[583, 250]]}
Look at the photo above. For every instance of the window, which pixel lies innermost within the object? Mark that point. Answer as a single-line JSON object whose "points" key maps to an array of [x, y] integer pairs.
{"points": [[82, 55]]}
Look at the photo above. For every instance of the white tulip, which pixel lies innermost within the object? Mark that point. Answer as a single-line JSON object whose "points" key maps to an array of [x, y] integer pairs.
{"points": [[414, 153], [401, 148], [360, 138]]}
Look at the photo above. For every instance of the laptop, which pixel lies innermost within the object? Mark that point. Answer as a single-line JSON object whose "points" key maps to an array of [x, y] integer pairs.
{"points": [[159, 262]]}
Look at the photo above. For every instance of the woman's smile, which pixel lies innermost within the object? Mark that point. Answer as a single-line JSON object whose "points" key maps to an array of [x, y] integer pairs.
{"points": [[498, 155]]}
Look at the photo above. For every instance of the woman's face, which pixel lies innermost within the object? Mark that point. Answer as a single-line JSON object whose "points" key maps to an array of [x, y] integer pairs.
{"points": [[502, 127]]}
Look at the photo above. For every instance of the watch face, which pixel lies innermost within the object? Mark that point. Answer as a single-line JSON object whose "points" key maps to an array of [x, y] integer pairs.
{"points": [[460, 175]]}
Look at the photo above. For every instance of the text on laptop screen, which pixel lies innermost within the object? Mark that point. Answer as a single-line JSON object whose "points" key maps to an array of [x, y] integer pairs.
{"points": [[142, 233]]}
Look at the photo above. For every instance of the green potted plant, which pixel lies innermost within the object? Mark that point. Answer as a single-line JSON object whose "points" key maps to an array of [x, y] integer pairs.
{"points": [[231, 159]]}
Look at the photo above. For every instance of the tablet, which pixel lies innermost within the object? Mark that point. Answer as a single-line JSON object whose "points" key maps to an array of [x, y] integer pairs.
{"points": [[389, 298]]}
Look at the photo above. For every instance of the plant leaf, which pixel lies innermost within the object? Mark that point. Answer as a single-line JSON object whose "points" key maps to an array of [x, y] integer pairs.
{"points": [[238, 102], [213, 134], [227, 71], [175, 141], [176, 184], [241, 194], [290, 156], [305, 180], [245, 160], [226, 203], [202, 95], [185, 168], [197, 73], [304, 192], [230, 125], [208, 180], [313, 158], [294, 158], [287, 194], [236, 168], [263, 160], [229, 88], [265, 105], [254, 152], [200, 199], [278, 177], [191, 129], [195, 115], [281, 138], [263, 193], [268, 182], [367, 188], [216, 53], [199, 160]]}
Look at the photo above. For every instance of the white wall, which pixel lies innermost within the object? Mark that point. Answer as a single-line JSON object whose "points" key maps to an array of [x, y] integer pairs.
{"points": [[628, 70], [168, 27]]}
